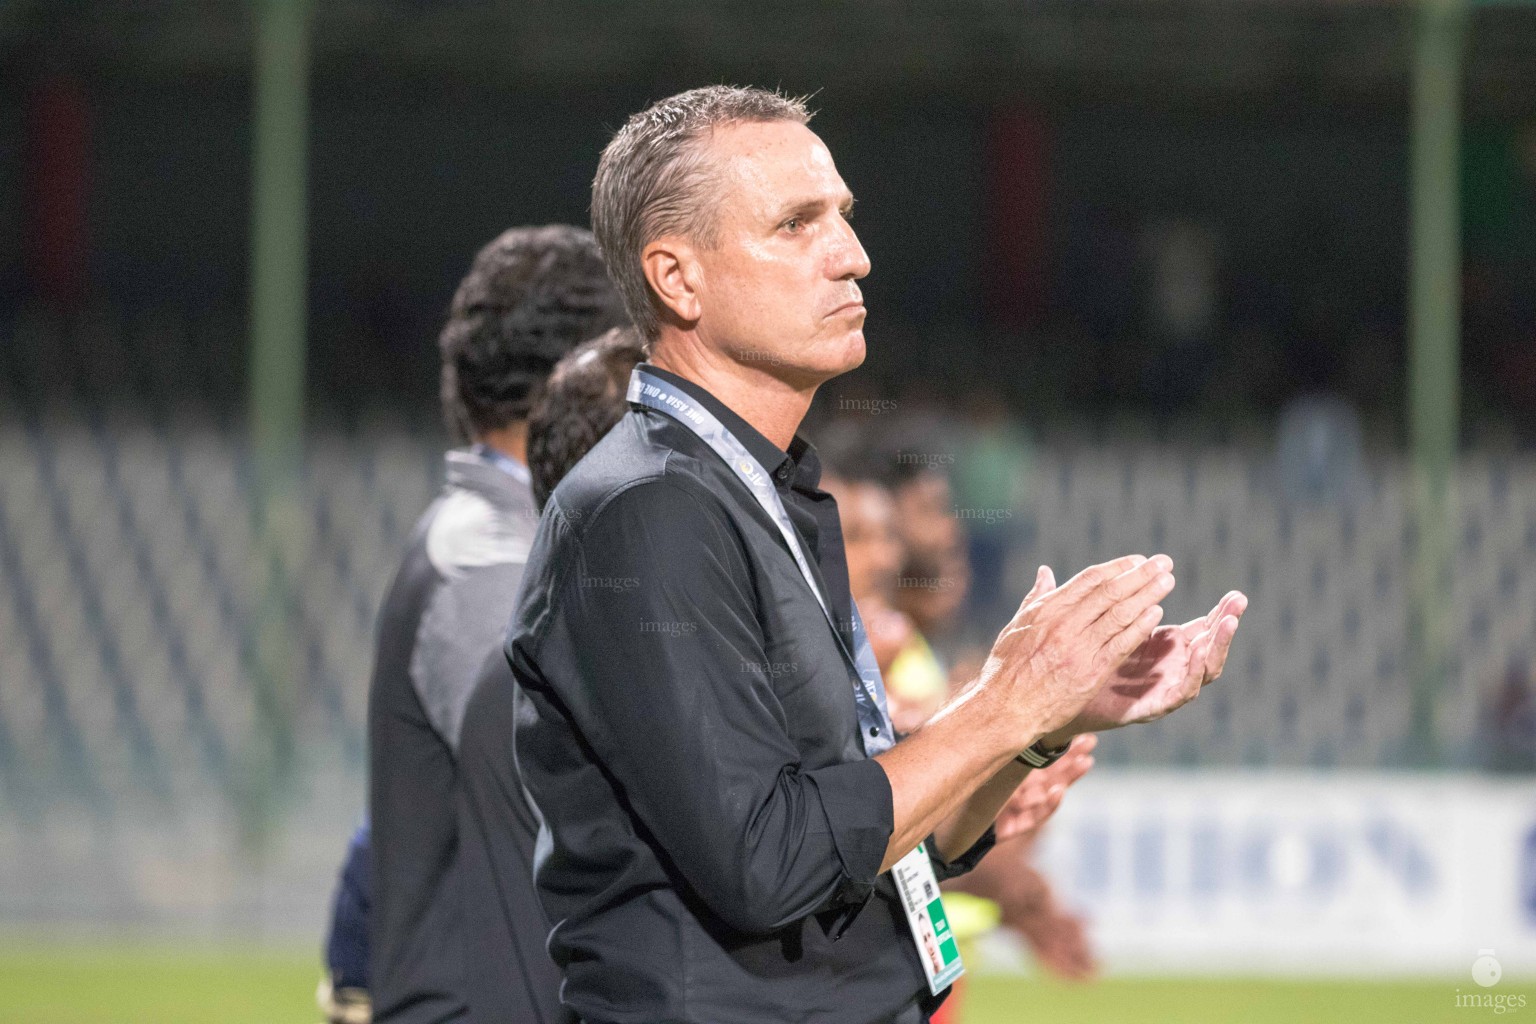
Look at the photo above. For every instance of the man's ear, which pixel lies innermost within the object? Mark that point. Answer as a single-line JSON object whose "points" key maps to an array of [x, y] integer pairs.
{"points": [[674, 275]]}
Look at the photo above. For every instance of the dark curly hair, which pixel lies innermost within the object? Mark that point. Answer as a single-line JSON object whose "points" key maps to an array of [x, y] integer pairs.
{"points": [[582, 401], [531, 295]]}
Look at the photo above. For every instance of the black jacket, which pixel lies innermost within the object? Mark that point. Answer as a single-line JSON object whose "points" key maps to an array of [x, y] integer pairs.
{"points": [[713, 831], [431, 957]]}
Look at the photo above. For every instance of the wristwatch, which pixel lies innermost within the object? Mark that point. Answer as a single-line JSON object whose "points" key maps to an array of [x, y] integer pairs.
{"points": [[1038, 755]]}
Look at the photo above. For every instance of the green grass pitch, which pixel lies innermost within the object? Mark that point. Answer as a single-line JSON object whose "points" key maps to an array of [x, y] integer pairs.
{"points": [[102, 984]]}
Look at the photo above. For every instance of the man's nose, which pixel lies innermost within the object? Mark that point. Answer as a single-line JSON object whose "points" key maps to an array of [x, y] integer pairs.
{"points": [[847, 260]]}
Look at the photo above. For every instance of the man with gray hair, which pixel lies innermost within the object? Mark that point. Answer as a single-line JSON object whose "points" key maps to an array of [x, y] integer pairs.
{"points": [[729, 832]]}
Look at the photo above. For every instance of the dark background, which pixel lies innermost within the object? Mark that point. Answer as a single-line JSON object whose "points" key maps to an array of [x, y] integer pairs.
{"points": [[1011, 162]]}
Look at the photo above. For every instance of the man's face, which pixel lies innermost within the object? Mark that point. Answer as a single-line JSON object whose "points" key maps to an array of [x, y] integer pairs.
{"points": [[778, 288]]}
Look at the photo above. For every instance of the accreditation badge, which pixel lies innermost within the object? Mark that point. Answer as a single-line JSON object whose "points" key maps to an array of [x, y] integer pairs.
{"points": [[936, 946]]}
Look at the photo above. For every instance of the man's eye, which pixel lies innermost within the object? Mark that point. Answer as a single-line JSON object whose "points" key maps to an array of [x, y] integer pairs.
{"points": [[793, 225]]}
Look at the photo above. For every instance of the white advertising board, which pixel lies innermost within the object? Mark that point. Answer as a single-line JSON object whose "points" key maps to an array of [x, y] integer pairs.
{"points": [[1337, 873]]}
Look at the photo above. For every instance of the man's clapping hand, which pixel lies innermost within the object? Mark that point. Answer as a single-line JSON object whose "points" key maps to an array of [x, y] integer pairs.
{"points": [[1065, 643], [1164, 673], [1073, 659]]}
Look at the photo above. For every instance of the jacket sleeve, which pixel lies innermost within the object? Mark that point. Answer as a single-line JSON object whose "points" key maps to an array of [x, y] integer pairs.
{"points": [[944, 870]]}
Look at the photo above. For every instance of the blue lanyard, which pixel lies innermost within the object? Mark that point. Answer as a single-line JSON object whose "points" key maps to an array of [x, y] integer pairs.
{"points": [[869, 693], [505, 463]]}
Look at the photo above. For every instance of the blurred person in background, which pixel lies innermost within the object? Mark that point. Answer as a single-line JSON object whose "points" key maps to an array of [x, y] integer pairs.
{"points": [[509, 976], [875, 556], [343, 993], [530, 296], [1509, 720], [989, 476], [874, 552], [1320, 450], [581, 403], [1056, 936], [917, 685], [935, 572]]}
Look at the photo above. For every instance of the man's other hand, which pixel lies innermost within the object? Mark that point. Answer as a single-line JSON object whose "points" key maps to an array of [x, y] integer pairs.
{"points": [[1042, 790]]}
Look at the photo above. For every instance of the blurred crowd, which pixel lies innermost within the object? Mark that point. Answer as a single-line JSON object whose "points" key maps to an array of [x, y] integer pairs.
{"points": [[913, 568]]}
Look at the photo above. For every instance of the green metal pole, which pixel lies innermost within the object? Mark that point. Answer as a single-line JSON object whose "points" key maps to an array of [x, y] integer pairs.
{"points": [[279, 284], [1434, 342]]}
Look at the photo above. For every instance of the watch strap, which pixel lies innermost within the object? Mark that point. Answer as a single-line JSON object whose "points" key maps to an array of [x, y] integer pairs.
{"points": [[1038, 755]]}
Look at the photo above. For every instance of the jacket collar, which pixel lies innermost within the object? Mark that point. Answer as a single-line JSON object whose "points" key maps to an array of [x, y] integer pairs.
{"points": [[799, 467]]}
